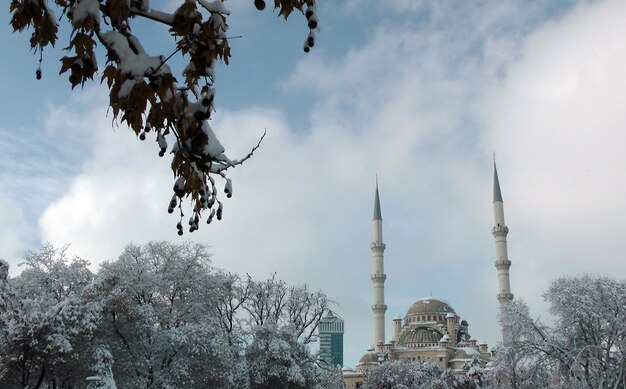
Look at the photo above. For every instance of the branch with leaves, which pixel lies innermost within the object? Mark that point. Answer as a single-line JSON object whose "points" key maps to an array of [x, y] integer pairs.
{"points": [[144, 92]]}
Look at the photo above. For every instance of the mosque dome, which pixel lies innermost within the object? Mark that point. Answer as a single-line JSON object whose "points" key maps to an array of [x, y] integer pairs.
{"points": [[369, 357], [429, 305], [420, 336]]}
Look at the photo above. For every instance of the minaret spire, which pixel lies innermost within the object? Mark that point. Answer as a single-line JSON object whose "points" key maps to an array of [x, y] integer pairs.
{"points": [[377, 213], [500, 231], [497, 194], [378, 276]]}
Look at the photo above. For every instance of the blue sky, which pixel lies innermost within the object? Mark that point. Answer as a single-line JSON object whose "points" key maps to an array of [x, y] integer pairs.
{"points": [[420, 93]]}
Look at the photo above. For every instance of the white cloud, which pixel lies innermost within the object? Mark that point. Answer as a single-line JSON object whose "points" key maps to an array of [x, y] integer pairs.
{"points": [[422, 105], [557, 124]]}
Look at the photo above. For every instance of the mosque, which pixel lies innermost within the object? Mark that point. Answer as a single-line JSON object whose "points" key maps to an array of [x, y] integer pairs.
{"points": [[431, 328]]}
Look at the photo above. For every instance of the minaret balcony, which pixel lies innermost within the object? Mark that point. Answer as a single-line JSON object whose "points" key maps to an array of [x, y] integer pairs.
{"points": [[504, 297], [502, 264], [379, 307], [500, 230], [379, 277], [377, 245]]}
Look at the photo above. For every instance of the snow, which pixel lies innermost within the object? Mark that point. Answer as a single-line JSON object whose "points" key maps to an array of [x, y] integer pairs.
{"points": [[469, 351], [213, 148], [137, 65], [86, 8], [216, 6], [126, 88]]}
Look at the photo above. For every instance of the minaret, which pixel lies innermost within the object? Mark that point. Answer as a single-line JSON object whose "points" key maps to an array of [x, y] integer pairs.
{"points": [[378, 276], [500, 231]]}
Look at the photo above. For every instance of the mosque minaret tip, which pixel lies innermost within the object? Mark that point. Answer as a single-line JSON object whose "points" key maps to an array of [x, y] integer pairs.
{"points": [[378, 276], [500, 231]]}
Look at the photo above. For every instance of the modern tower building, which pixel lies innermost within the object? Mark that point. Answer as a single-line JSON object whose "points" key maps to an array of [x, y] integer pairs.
{"points": [[331, 339]]}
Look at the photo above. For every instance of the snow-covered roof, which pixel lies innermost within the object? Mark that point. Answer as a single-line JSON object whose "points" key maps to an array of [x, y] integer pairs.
{"points": [[469, 351], [429, 305]]}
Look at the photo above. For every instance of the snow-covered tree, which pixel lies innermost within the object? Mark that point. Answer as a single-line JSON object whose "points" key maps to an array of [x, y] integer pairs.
{"points": [[407, 374], [272, 301], [584, 348], [161, 319], [47, 318], [277, 360], [145, 93], [330, 377], [475, 376], [160, 316], [103, 363]]}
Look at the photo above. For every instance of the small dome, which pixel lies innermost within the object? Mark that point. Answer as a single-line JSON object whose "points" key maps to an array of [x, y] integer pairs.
{"points": [[420, 335], [429, 305], [369, 357]]}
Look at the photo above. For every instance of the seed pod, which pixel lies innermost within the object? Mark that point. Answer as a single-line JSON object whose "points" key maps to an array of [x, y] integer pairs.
{"points": [[259, 4], [210, 218], [228, 188], [179, 187]]}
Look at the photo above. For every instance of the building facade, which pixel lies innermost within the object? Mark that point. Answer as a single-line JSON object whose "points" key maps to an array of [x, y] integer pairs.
{"points": [[431, 329], [331, 339]]}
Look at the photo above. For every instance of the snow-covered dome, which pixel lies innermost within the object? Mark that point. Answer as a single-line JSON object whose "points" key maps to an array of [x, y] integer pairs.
{"points": [[420, 336], [369, 357], [429, 305]]}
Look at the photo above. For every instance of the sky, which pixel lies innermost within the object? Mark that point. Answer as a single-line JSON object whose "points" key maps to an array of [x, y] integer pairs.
{"points": [[418, 93]]}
